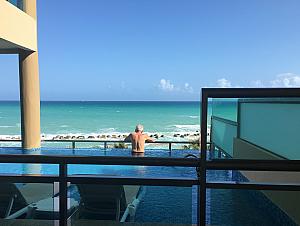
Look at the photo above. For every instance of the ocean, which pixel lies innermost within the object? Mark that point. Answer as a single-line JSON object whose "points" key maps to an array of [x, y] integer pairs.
{"points": [[111, 117]]}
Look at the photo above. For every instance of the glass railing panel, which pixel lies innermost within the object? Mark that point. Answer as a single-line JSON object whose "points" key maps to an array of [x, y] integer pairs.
{"points": [[234, 207], [120, 171], [265, 177], [17, 3], [266, 128], [134, 204], [29, 203], [28, 169], [222, 135], [272, 125], [224, 108]]}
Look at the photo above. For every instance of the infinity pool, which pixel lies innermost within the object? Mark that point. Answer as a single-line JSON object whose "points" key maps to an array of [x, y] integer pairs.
{"points": [[165, 204]]}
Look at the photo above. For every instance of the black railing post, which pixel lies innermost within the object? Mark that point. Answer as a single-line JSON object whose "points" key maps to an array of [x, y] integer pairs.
{"points": [[105, 145], [73, 145], [202, 167], [63, 194]]}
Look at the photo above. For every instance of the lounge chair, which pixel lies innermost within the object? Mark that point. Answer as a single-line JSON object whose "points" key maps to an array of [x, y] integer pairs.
{"points": [[107, 202], [11, 200], [30, 201]]}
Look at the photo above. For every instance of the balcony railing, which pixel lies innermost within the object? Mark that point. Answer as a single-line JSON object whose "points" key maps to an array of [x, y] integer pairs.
{"points": [[201, 164], [105, 143]]}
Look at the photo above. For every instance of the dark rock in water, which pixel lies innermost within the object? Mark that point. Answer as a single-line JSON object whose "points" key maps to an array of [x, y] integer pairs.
{"points": [[80, 137], [120, 136], [60, 137], [73, 137], [108, 136], [67, 137], [175, 135], [91, 137], [182, 136], [162, 135], [151, 135], [197, 131]]}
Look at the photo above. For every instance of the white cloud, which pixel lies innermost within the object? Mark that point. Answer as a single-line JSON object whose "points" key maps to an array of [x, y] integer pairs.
{"points": [[257, 84], [188, 88], [223, 83], [166, 85], [286, 80]]}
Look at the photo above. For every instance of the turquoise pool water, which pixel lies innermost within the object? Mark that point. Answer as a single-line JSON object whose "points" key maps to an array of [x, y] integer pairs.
{"points": [[167, 204]]}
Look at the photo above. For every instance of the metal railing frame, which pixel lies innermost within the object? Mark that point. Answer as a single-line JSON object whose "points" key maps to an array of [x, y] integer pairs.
{"points": [[237, 164]]}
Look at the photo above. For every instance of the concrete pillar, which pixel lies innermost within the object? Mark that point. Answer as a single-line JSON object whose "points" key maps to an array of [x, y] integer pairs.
{"points": [[29, 90]]}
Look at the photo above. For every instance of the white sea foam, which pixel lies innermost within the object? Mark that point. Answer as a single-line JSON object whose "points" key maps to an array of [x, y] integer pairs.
{"points": [[190, 116], [6, 126], [186, 127], [107, 130], [64, 126]]}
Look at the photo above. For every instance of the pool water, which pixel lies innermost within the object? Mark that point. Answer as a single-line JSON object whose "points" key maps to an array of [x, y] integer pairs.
{"points": [[165, 204]]}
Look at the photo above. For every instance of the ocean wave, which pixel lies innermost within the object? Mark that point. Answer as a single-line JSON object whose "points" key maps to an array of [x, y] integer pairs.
{"points": [[64, 126], [107, 130], [7, 126], [189, 116], [187, 127]]}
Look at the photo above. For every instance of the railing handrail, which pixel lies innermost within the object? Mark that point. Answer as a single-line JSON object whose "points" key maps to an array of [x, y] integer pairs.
{"points": [[105, 142], [224, 120], [101, 141]]}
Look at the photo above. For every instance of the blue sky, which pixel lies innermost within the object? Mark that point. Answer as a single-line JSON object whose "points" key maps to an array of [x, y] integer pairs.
{"points": [[160, 49]]}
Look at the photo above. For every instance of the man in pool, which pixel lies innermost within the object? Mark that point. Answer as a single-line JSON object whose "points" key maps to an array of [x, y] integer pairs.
{"points": [[138, 139]]}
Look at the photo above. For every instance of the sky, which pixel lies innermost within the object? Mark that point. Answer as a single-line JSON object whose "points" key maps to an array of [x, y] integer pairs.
{"points": [[160, 49]]}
